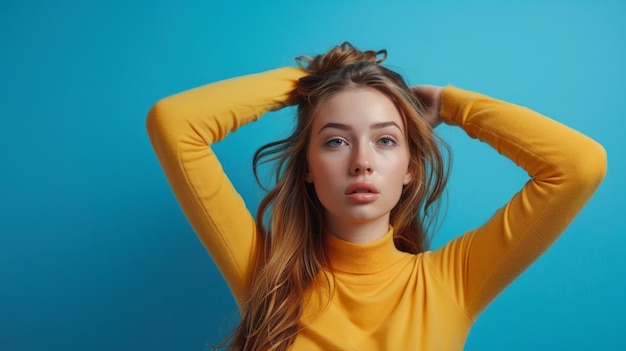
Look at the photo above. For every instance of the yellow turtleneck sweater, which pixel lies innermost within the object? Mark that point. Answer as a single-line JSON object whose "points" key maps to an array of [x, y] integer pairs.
{"points": [[382, 299]]}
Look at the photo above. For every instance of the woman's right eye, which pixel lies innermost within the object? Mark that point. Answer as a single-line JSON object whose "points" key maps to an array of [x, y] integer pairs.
{"points": [[335, 142]]}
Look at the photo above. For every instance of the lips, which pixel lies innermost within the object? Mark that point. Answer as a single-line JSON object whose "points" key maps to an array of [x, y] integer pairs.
{"points": [[361, 187], [361, 192]]}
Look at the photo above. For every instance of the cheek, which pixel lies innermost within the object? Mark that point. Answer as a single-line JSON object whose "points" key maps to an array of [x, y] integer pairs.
{"points": [[326, 177], [320, 170]]}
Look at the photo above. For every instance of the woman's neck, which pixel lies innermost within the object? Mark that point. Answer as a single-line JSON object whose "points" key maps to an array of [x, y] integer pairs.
{"points": [[358, 232]]}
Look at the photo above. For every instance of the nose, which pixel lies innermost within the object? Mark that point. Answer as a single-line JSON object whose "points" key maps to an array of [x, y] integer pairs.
{"points": [[362, 160]]}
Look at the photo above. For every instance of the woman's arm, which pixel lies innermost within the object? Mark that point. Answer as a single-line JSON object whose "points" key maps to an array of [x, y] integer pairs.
{"points": [[565, 168], [182, 127]]}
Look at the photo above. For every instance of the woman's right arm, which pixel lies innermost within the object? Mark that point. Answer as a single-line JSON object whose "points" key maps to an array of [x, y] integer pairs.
{"points": [[182, 127]]}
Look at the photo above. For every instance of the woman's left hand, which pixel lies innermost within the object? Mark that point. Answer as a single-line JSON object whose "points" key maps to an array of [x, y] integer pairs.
{"points": [[430, 96]]}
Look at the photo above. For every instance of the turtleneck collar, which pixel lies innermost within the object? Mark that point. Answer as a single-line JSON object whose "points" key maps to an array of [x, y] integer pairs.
{"points": [[367, 258]]}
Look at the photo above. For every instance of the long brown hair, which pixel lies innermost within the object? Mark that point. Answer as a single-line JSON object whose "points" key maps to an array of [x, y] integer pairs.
{"points": [[290, 217]]}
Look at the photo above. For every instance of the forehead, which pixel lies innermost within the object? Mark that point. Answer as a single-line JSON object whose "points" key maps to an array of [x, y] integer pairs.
{"points": [[357, 106]]}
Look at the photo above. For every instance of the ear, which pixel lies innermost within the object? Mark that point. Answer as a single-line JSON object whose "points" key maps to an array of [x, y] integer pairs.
{"points": [[408, 177], [307, 176]]}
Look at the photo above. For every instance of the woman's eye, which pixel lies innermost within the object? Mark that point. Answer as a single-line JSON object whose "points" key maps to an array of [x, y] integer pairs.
{"points": [[336, 142], [387, 141]]}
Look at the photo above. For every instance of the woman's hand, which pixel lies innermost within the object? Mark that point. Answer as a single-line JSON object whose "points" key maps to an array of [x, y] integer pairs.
{"points": [[430, 96]]}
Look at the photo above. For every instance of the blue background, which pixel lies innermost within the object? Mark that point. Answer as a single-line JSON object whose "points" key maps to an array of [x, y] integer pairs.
{"points": [[94, 251]]}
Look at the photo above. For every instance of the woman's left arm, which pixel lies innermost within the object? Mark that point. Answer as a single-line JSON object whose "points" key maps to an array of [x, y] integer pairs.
{"points": [[565, 168]]}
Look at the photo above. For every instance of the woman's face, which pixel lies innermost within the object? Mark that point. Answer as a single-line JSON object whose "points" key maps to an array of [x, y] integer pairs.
{"points": [[358, 160]]}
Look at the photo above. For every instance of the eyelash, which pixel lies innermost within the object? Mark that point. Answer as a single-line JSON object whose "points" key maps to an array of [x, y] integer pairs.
{"points": [[389, 138], [331, 141]]}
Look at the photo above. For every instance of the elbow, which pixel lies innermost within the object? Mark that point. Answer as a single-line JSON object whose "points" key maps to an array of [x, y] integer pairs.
{"points": [[161, 122], [157, 118], [591, 166], [162, 127]]}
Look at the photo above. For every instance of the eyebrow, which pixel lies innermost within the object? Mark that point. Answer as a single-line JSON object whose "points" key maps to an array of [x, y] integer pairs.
{"points": [[342, 126]]}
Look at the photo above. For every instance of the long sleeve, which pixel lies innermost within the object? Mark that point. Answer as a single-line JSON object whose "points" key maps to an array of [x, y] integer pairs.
{"points": [[565, 168], [182, 127]]}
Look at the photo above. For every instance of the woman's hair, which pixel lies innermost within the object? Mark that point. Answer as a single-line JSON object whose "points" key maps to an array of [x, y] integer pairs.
{"points": [[290, 217]]}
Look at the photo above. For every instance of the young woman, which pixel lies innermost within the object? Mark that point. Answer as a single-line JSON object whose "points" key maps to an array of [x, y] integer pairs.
{"points": [[337, 257]]}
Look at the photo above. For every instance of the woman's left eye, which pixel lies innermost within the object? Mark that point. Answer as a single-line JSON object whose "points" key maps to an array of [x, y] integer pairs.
{"points": [[387, 141]]}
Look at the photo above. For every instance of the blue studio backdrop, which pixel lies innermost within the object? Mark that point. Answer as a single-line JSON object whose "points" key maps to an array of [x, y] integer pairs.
{"points": [[95, 253]]}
